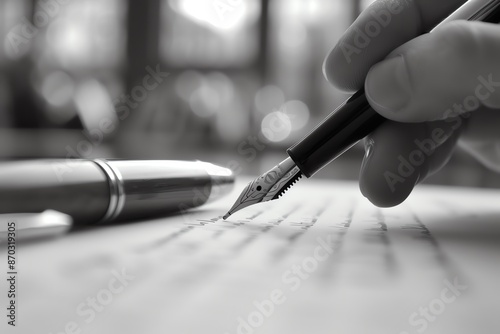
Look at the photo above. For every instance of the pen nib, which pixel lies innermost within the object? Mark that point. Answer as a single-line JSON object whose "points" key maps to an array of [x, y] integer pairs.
{"points": [[268, 186]]}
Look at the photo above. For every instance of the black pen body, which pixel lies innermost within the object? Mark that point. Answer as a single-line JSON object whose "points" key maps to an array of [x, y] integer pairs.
{"points": [[341, 130]]}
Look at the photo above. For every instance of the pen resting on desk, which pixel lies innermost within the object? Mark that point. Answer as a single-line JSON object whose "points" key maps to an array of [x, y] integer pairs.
{"points": [[103, 190]]}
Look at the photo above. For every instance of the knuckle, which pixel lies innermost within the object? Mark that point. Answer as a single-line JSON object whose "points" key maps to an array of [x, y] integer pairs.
{"points": [[338, 71], [460, 39]]}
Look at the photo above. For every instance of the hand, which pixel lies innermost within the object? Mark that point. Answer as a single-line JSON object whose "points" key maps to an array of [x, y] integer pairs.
{"points": [[437, 90]]}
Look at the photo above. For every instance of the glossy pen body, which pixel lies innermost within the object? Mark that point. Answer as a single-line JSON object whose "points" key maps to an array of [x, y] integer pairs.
{"points": [[110, 190]]}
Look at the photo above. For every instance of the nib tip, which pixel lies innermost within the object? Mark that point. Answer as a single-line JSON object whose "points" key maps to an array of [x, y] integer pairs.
{"points": [[226, 216]]}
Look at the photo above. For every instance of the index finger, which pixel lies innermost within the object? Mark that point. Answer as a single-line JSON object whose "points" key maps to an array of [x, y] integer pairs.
{"points": [[380, 29]]}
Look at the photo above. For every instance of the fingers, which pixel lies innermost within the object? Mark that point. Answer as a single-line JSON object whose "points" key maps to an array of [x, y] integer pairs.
{"points": [[380, 29], [452, 71], [399, 156]]}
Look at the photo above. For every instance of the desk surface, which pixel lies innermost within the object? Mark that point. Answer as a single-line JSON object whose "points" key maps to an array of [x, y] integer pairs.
{"points": [[320, 260]]}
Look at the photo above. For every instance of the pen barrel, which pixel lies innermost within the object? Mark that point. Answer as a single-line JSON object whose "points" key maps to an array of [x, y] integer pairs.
{"points": [[341, 130], [476, 10], [75, 187]]}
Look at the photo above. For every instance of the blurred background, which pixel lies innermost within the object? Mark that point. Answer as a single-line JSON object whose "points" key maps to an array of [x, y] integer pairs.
{"points": [[234, 82]]}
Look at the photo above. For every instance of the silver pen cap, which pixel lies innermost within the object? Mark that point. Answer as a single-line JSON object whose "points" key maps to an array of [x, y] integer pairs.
{"points": [[142, 188]]}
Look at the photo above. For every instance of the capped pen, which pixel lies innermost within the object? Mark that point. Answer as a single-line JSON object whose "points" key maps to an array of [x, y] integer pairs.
{"points": [[100, 191]]}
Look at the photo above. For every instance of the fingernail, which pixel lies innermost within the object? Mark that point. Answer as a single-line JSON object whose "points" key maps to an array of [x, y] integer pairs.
{"points": [[368, 154], [388, 86], [369, 143]]}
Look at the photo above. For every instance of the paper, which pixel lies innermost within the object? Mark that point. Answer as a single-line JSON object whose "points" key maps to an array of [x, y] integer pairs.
{"points": [[320, 260]]}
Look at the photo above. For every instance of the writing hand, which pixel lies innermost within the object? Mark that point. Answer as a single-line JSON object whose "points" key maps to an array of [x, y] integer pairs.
{"points": [[437, 90]]}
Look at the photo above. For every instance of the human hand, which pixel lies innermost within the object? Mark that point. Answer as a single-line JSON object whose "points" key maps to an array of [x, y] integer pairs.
{"points": [[437, 90]]}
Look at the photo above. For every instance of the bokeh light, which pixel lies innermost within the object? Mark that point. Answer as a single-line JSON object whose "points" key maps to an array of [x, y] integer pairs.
{"points": [[276, 126], [187, 83], [220, 15], [58, 88], [95, 106], [298, 113], [205, 101], [268, 99]]}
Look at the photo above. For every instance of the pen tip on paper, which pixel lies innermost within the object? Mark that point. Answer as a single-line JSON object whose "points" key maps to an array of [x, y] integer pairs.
{"points": [[226, 216]]}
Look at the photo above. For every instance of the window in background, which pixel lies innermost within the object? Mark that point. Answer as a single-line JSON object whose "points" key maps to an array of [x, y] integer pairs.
{"points": [[211, 50], [86, 34], [216, 34], [66, 73], [81, 49]]}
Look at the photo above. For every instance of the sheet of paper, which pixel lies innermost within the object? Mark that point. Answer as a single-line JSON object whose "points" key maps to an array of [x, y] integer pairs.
{"points": [[320, 260]]}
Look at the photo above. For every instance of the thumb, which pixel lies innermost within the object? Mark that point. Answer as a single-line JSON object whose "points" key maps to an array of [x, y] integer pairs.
{"points": [[452, 71]]}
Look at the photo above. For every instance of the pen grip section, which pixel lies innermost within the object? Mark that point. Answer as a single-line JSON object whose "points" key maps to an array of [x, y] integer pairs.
{"points": [[341, 130]]}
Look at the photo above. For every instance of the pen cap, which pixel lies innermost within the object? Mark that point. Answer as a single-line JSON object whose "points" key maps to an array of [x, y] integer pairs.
{"points": [[153, 188], [341, 130]]}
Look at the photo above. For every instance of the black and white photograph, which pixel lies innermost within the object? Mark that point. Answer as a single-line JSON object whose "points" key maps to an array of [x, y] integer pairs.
{"points": [[249, 166]]}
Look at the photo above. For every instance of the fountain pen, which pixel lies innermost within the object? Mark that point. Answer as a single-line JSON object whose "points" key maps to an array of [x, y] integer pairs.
{"points": [[341, 130], [101, 191]]}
